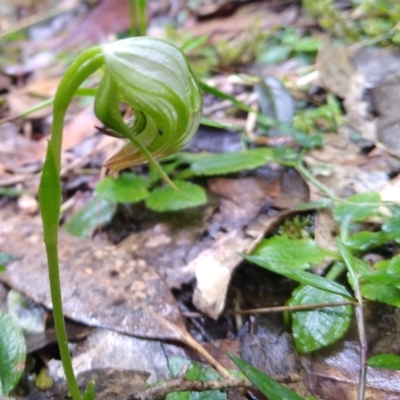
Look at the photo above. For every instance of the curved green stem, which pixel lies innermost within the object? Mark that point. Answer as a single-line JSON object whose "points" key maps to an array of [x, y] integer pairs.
{"points": [[50, 196]]}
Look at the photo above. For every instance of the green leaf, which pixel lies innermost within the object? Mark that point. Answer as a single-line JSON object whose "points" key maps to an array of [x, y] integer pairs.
{"points": [[215, 124], [393, 268], [89, 392], [358, 207], [388, 361], [349, 261], [128, 188], [275, 54], [176, 364], [367, 240], [178, 396], [270, 388], [392, 225], [392, 228], [384, 293], [381, 276], [296, 253], [225, 163], [195, 373], [300, 276], [314, 329], [194, 42], [307, 44], [218, 164], [169, 199], [95, 213], [12, 353]]}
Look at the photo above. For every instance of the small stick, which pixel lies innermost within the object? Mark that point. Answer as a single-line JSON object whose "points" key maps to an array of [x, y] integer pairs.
{"points": [[192, 343], [182, 385], [300, 307]]}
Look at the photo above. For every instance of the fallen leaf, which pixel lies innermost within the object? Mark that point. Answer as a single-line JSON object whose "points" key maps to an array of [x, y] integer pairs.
{"points": [[102, 286], [203, 243]]}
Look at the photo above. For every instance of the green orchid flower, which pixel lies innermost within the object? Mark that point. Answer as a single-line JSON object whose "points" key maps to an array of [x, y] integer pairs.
{"points": [[154, 79]]}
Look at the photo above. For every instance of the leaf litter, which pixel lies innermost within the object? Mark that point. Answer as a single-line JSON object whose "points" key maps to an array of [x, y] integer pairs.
{"points": [[234, 220]]}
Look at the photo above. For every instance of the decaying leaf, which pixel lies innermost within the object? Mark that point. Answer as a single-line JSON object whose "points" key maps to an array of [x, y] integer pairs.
{"points": [[203, 245], [102, 286]]}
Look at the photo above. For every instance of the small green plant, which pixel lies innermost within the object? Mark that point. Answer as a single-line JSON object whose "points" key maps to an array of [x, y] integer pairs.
{"points": [[12, 345], [370, 21], [292, 256], [154, 79]]}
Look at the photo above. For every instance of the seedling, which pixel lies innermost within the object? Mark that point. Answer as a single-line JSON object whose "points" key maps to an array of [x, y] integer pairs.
{"points": [[154, 79]]}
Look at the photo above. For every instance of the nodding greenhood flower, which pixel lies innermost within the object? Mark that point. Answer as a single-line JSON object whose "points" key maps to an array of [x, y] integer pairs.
{"points": [[155, 80]]}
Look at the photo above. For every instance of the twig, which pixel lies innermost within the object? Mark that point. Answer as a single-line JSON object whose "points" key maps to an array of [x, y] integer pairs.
{"points": [[182, 385], [265, 310], [191, 342]]}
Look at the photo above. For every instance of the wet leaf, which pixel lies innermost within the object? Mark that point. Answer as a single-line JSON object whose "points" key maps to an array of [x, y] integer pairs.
{"points": [[321, 327], [95, 213], [270, 388], [12, 353], [128, 188], [29, 315], [296, 253], [388, 361], [358, 207], [274, 99], [303, 277], [169, 199], [102, 286]]}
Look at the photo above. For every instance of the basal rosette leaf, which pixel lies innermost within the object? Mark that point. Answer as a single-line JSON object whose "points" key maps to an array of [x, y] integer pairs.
{"points": [[155, 80]]}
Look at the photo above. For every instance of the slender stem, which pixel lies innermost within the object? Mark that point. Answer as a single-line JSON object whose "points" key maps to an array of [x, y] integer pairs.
{"points": [[307, 175], [141, 9], [359, 311], [191, 342], [50, 197], [336, 270], [133, 11], [150, 158], [59, 323]]}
